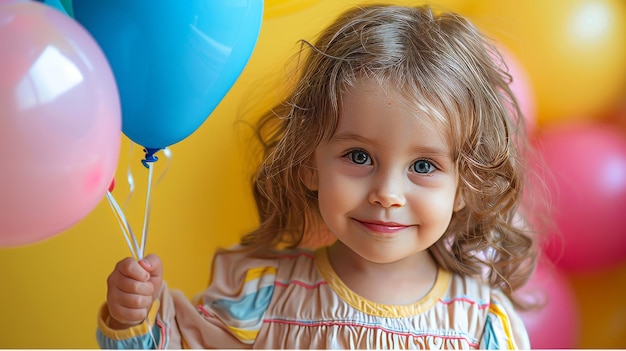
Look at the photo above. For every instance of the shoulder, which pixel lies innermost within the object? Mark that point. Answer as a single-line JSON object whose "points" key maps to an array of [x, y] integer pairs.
{"points": [[501, 324], [242, 287], [504, 325], [467, 294], [242, 281], [234, 267]]}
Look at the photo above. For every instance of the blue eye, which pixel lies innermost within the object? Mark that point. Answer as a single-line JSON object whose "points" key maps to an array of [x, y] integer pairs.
{"points": [[359, 157], [423, 167]]}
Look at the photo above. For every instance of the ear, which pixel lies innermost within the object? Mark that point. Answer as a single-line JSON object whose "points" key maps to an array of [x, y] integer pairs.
{"points": [[308, 174], [459, 202]]}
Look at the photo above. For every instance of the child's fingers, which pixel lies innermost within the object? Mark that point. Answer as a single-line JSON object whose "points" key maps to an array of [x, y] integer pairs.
{"points": [[128, 308], [134, 301], [132, 286], [130, 268], [152, 264], [131, 291]]}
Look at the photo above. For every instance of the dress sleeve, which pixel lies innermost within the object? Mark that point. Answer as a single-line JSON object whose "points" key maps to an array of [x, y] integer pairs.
{"points": [[504, 328], [146, 335], [239, 294], [228, 314]]}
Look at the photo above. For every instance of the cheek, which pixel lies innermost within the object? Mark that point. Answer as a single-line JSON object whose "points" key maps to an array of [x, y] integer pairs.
{"points": [[434, 207], [338, 194]]}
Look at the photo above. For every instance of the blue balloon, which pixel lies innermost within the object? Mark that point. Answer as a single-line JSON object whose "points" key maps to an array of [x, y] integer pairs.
{"points": [[173, 60]]}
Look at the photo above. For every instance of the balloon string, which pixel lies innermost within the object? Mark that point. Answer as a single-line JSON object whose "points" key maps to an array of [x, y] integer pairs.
{"points": [[148, 209], [128, 235], [126, 230], [139, 250], [136, 251], [144, 238], [148, 205], [151, 334]]}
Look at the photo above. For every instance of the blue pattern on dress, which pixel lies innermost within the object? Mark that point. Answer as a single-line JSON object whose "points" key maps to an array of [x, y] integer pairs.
{"points": [[490, 339], [250, 307]]}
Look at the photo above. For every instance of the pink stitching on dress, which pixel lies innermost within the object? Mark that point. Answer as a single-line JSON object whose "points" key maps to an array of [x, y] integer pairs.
{"points": [[482, 306], [204, 312]]}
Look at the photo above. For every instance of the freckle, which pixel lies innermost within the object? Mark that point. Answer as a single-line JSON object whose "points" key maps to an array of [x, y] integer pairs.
{"points": [[388, 103]]}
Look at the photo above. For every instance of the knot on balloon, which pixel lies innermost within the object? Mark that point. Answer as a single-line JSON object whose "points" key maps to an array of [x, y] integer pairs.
{"points": [[150, 156]]}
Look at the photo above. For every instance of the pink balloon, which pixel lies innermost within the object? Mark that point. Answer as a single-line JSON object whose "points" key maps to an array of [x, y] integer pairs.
{"points": [[60, 123], [588, 189], [557, 324]]}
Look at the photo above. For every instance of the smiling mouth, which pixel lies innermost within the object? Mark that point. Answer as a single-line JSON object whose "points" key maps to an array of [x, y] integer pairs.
{"points": [[383, 227]]}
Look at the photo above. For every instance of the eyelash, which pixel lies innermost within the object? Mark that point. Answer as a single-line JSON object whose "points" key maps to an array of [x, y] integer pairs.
{"points": [[350, 156]]}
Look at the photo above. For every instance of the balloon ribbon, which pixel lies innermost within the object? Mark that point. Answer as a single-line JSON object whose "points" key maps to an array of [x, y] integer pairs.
{"points": [[138, 248]]}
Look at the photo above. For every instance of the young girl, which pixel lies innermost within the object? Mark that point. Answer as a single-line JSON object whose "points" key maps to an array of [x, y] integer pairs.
{"points": [[398, 140]]}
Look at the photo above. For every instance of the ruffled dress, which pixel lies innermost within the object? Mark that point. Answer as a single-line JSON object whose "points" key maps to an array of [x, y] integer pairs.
{"points": [[295, 300]]}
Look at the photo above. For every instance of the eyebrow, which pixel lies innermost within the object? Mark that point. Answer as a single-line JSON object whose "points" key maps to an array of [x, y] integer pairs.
{"points": [[347, 136]]}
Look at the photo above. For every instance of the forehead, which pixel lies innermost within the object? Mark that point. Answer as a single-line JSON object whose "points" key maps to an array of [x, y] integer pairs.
{"points": [[367, 100], [374, 118]]}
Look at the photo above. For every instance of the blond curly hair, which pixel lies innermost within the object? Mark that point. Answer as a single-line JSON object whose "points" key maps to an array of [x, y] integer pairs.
{"points": [[439, 63]]}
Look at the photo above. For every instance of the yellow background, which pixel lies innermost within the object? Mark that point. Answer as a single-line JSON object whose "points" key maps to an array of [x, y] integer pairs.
{"points": [[50, 291]]}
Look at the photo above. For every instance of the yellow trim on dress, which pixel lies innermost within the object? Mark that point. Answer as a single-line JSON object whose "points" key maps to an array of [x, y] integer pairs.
{"points": [[123, 334], [506, 324], [256, 273], [376, 309], [243, 334]]}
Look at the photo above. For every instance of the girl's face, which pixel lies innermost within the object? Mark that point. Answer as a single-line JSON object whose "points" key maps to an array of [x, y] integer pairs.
{"points": [[387, 186]]}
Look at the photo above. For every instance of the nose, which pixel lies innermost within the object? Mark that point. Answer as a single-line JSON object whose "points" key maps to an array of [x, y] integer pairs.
{"points": [[388, 191]]}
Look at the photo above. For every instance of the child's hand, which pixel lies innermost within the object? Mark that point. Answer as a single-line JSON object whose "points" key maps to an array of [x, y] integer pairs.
{"points": [[132, 288]]}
